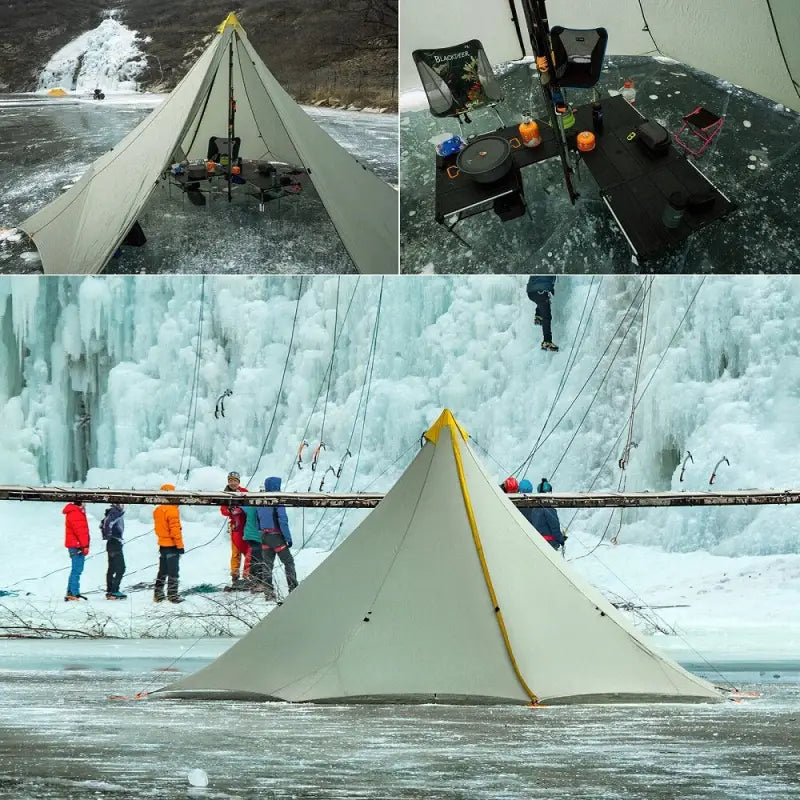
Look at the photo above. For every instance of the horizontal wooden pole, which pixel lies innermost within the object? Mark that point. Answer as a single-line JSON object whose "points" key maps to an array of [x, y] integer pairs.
{"points": [[185, 497]]}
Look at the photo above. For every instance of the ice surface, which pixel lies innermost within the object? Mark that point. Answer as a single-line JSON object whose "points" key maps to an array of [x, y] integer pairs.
{"points": [[61, 738], [60, 139], [763, 235], [95, 389]]}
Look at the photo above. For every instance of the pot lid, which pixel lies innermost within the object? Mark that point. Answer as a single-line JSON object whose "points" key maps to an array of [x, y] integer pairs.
{"points": [[484, 155]]}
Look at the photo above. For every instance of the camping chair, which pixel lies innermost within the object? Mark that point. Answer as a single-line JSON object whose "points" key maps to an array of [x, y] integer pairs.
{"points": [[578, 56], [702, 123], [218, 147], [458, 79]]}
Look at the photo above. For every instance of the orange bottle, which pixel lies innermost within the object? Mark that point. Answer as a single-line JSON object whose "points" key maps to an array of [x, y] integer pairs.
{"points": [[529, 133]]}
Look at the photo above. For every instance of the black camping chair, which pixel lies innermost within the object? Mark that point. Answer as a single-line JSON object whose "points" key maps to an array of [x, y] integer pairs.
{"points": [[578, 56], [458, 79], [218, 147]]}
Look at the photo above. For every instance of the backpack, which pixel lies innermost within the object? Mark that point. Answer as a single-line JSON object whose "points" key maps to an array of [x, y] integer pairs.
{"points": [[105, 527]]}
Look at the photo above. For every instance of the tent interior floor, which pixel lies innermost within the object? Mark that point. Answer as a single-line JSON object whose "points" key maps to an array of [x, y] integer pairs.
{"points": [[753, 161]]}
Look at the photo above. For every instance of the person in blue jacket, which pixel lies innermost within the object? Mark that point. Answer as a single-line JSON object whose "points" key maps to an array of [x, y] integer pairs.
{"points": [[544, 519], [539, 289], [276, 539]]}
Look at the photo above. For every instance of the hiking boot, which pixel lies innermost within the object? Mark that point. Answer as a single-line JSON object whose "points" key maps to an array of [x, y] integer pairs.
{"points": [[158, 598], [176, 599], [68, 597], [549, 346], [115, 596], [537, 320]]}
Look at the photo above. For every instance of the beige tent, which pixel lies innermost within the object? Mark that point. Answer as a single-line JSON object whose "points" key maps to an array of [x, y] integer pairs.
{"points": [[444, 593], [80, 230], [754, 44]]}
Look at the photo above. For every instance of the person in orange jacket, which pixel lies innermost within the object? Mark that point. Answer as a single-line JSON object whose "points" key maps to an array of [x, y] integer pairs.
{"points": [[76, 540], [167, 521], [240, 547]]}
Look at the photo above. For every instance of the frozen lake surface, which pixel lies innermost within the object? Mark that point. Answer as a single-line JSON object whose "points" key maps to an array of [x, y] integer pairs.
{"points": [[61, 738], [754, 161], [47, 144]]}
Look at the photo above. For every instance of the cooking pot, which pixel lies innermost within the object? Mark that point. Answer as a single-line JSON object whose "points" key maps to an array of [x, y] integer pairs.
{"points": [[487, 160]]}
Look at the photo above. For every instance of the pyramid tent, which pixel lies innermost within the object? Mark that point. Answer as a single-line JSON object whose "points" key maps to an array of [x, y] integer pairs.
{"points": [[751, 43], [81, 229], [444, 593]]}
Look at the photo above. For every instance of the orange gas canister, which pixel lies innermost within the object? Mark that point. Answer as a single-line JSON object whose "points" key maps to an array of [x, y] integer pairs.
{"points": [[529, 133], [211, 167], [586, 141]]}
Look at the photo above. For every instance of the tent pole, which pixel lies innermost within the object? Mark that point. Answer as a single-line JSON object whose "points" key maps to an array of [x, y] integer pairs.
{"points": [[539, 30], [231, 115]]}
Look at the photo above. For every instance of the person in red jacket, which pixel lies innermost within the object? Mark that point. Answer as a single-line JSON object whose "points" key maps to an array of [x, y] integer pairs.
{"points": [[240, 548], [76, 540]]}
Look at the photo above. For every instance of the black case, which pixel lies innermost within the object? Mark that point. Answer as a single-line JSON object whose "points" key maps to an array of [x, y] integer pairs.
{"points": [[653, 137]]}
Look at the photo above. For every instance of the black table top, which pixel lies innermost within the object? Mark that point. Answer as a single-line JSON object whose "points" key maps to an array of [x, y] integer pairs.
{"points": [[635, 184], [460, 192]]}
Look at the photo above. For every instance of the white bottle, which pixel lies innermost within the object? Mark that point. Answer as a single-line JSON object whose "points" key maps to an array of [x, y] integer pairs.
{"points": [[628, 92]]}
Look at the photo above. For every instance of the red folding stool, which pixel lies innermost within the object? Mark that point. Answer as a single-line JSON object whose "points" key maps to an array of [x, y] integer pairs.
{"points": [[702, 123]]}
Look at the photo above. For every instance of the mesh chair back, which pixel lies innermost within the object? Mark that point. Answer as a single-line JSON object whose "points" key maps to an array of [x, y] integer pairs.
{"points": [[578, 56], [457, 79], [218, 147]]}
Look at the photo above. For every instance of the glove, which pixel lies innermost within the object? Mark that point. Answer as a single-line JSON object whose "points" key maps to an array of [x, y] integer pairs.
{"points": [[288, 542], [180, 551], [85, 551]]}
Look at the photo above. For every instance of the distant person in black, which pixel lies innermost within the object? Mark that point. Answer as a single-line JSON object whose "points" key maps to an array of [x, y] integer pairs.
{"points": [[539, 289], [112, 528]]}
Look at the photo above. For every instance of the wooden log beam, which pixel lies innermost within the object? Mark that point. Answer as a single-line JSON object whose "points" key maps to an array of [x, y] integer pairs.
{"points": [[185, 497]]}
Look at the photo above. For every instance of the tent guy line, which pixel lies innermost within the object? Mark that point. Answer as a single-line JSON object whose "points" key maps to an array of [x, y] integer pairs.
{"points": [[58, 494]]}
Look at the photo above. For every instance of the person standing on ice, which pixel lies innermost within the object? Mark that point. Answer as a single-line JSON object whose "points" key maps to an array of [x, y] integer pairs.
{"points": [[543, 518], [76, 540], [168, 529], [240, 549], [276, 539], [252, 536], [112, 527], [539, 289]]}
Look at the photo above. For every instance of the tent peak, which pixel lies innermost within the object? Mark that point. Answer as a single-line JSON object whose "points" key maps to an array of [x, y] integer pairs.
{"points": [[231, 19], [446, 420]]}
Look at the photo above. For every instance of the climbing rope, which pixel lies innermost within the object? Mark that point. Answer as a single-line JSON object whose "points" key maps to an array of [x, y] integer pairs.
{"points": [[191, 420], [283, 378], [325, 377], [572, 358], [365, 388]]}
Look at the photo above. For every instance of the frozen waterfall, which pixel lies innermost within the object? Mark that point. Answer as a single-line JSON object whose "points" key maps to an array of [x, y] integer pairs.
{"points": [[107, 57], [97, 377]]}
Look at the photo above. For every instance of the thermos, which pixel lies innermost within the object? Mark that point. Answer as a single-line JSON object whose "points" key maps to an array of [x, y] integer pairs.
{"points": [[597, 116], [675, 209]]}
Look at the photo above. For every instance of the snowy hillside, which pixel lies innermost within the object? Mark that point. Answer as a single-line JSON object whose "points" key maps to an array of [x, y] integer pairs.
{"points": [[115, 381]]}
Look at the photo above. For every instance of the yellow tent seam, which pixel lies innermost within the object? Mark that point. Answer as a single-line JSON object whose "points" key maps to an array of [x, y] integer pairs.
{"points": [[446, 420], [482, 558]]}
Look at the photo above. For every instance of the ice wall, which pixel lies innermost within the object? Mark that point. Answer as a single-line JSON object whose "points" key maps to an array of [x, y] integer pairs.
{"points": [[97, 376], [107, 57]]}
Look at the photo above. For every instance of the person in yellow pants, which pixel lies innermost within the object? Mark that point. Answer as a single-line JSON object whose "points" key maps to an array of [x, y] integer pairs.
{"points": [[240, 548]]}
